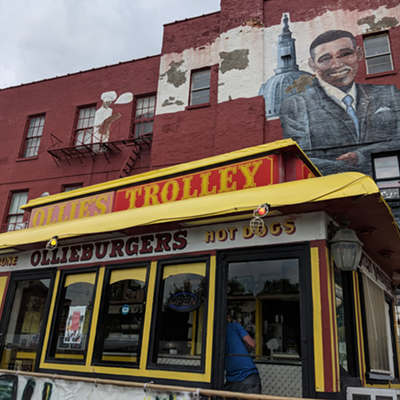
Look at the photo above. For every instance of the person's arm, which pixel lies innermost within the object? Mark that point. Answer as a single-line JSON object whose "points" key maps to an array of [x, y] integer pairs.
{"points": [[249, 343]]}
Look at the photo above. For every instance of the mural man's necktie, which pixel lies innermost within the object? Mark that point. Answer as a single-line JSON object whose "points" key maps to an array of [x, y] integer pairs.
{"points": [[348, 100]]}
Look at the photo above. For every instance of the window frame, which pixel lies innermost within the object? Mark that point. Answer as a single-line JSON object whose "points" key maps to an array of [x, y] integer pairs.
{"points": [[5, 224], [26, 139], [136, 120], [389, 53], [105, 297], [71, 186], [9, 298], [56, 320], [155, 317], [300, 251], [377, 180], [191, 91], [75, 129]]}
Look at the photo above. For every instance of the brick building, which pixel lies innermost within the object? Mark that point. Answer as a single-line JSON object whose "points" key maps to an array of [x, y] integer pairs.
{"points": [[321, 73]]}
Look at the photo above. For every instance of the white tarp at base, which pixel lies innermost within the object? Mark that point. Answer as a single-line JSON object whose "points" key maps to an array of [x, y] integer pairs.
{"points": [[20, 387]]}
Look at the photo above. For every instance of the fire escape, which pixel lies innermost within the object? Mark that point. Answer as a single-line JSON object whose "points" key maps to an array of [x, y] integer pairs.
{"points": [[86, 143]]}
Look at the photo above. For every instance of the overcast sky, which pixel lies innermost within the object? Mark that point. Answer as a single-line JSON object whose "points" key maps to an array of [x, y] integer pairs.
{"points": [[46, 38]]}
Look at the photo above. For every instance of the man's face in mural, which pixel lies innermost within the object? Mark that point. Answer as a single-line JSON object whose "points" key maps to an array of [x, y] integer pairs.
{"points": [[336, 62]]}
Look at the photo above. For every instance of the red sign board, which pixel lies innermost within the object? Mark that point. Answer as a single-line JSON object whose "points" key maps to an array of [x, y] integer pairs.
{"points": [[244, 175]]}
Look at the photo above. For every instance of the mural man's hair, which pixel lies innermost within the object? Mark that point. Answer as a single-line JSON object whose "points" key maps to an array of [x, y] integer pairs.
{"points": [[330, 36]]}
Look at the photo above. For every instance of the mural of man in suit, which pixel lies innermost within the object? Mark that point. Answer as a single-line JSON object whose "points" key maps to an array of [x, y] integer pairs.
{"points": [[338, 122]]}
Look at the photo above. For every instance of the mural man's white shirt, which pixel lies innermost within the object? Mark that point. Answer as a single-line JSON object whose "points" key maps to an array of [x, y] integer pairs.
{"points": [[337, 95]]}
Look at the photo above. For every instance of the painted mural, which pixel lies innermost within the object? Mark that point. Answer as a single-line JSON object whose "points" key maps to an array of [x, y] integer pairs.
{"points": [[15, 386], [337, 121]]}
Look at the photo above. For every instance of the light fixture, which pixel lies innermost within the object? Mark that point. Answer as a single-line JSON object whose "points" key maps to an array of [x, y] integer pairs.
{"points": [[257, 224], [52, 243], [346, 249]]}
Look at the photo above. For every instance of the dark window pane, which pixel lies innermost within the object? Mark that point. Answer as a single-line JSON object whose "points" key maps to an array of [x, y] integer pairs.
{"points": [[376, 45]]}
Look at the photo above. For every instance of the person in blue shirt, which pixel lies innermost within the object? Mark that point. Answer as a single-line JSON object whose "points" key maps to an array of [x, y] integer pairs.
{"points": [[241, 374]]}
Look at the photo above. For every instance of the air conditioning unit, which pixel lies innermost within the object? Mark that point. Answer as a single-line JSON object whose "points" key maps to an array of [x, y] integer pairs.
{"points": [[357, 393]]}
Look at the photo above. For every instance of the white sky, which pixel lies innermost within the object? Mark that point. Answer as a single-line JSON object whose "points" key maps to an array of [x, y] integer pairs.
{"points": [[46, 38]]}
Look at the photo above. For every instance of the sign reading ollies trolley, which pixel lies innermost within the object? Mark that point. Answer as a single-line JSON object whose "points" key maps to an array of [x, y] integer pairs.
{"points": [[254, 173]]}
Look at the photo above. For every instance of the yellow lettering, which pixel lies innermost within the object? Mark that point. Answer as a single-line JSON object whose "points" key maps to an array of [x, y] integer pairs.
{"points": [[150, 195], [247, 233], [50, 215], [61, 210], [275, 228], [249, 175], [289, 227], [187, 185], [132, 194], [225, 181], [232, 233], [72, 212], [205, 182], [101, 207], [39, 215], [15, 260], [222, 235], [83, 209], [210, 237], [174, 192]]}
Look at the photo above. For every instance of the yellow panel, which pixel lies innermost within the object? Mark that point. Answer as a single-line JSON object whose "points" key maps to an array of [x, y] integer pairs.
{"points": [[318, 348], [95, 317], [25, 354], [5, 359], [69, 356], [139, 274], [50, 319], [3, 283], [194, 327], [79, 278], [119, 358], [195, 268], [147, 316]]}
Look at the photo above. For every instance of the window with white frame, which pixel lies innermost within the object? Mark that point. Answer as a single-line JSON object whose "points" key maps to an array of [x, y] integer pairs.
{"points": [[200, 89], [387, 175], [84, 126], [377, 53], [144, 115], [15, 215], [33, 136]]}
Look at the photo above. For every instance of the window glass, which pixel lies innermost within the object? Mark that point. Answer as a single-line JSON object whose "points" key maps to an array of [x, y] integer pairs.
{"points": [[263, 296], [387, 174], [72, 326], [84, 126], [200, 87], [182, 315], [377, 54], [23, 332], [33, 136], [15, 218], [124, 314], [145, 108]]}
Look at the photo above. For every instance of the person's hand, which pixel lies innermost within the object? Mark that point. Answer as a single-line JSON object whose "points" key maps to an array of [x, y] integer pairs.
{"points": [[351, 158]]}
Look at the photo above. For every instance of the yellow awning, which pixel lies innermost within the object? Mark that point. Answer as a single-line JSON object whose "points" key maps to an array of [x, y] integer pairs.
{"points": [[285, 194]]}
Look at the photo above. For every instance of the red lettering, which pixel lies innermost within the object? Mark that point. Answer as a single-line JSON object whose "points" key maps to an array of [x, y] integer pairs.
{"points": [[180, 239], [87, 252], [100, 254], [163, 240], [55, 259], [45, 260], [117, 246], [131, 249], [146, 244], [35, 258], [74, 253], [64, 255]]}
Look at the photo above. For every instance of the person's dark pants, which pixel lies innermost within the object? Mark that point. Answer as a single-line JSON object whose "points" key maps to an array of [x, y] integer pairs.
{"points": [[251, 384]]}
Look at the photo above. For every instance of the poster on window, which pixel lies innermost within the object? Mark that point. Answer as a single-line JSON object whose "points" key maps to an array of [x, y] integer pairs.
{"points": [[75, 321]]}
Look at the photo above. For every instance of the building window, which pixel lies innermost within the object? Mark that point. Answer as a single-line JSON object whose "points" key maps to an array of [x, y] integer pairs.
{"points": [[15, 214], [387, 175], [121, 321], [200, 89], [84, 126], [182, 316], [71, 329], [69, 188], [144, 115], [33, 136], [377, 54]]}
